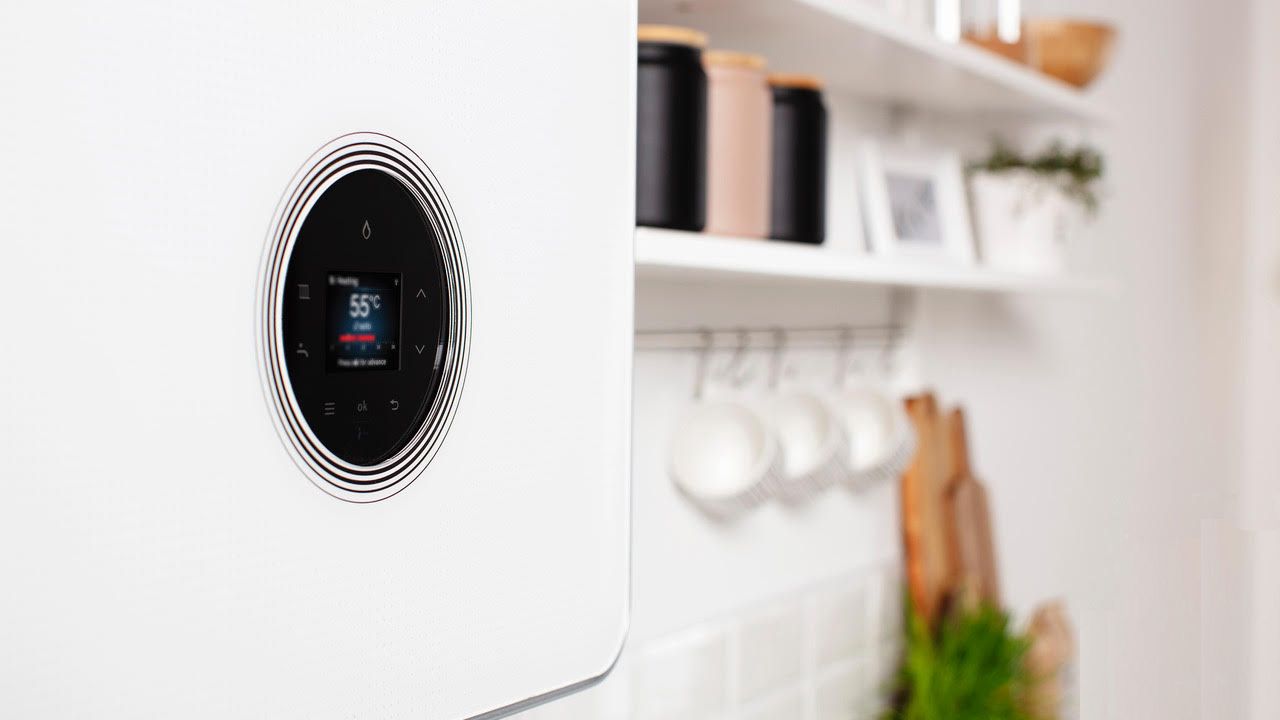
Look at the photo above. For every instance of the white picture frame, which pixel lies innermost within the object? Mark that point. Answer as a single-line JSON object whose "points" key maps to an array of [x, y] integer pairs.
{"points": [[915, 204]]}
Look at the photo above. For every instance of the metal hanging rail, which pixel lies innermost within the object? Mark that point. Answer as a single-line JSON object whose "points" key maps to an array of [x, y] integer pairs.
{"points": [[769, 338]]}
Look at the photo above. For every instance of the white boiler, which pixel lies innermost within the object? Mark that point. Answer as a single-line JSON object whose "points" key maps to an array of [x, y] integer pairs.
{"points": [[315, 371]]}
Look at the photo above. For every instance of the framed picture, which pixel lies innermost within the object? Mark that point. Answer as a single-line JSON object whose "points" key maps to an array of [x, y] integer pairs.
{"points": [[915, 205]]}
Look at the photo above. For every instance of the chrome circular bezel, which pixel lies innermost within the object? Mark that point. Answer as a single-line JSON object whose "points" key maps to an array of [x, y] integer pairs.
{"points": [[339, 478]]}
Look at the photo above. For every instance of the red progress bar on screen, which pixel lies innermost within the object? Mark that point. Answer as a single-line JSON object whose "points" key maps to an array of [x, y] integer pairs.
{"points": [[353, 338]]}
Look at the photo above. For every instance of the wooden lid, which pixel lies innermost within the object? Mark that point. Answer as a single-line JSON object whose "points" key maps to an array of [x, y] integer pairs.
{"points": [[734, 59], [793, 80], [672, 34]]}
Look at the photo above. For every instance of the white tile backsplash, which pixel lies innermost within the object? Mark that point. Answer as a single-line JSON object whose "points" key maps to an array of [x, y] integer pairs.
{"points": [[683, 676], [828, 652], [887, 603], [787, 704], [770, 649], [822, 653], [840, 691], [840, 620], [884, 669]]}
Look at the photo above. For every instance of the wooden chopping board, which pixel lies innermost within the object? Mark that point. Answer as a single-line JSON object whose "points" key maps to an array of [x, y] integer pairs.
{"points": [[924, 523], [971, 540]]}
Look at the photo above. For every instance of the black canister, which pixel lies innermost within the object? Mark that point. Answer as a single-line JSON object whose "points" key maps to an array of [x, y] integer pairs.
{"points": [[798, 209], [671, 129]]}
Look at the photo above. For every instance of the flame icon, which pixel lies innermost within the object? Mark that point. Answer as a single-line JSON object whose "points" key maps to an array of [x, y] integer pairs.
{"points": [[365, 231]]}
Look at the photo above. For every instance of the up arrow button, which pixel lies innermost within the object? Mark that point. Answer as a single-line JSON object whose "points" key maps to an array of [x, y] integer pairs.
{"points": [[421, 293]]}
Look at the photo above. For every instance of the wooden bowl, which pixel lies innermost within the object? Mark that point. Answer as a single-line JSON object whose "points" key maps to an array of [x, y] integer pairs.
{"points": [[1072, 51]]}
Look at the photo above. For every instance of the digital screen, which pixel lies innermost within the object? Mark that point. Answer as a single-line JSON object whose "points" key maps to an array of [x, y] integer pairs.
{"points": [[363, 321]]}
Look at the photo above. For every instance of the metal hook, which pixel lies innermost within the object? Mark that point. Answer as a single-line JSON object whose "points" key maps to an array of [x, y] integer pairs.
{"points": [[889, 351], [737, 376], [779, 352], [704, 360], [842, 356], [901, 304]]}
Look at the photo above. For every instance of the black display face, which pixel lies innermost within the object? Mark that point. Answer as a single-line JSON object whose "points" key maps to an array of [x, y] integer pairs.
{"points": [[364, 317], [364, 321]]}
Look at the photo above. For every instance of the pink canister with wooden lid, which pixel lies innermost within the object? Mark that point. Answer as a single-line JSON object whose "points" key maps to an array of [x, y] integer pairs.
{"points": [[739, 141]]}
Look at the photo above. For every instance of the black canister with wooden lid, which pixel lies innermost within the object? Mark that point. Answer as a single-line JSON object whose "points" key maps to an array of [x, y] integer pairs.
{"points": [[671, 129], [798, 207]]}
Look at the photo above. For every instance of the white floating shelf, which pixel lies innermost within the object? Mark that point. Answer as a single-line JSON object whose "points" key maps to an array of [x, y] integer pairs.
{"points": [[664, 254], [863, 50]]}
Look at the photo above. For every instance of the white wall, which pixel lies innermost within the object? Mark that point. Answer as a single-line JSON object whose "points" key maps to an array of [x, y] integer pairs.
{"points": [[1260, 385], [1089, 418], [1223, 151], [1112, 431]]}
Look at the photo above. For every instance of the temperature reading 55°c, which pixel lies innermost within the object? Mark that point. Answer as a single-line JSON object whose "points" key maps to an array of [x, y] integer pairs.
{"points": [[361, 304], [363, 321]]}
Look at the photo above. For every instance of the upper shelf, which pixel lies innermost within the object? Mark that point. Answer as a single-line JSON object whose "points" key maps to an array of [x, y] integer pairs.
{"points": [[672, 253], [865, 51]]}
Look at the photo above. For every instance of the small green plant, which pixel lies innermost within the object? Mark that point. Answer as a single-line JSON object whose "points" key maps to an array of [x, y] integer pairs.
{"points": [[1075, 172], [970, 668]]}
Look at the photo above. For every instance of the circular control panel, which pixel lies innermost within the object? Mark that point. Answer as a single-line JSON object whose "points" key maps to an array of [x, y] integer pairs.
{"points": [[364, 317]]}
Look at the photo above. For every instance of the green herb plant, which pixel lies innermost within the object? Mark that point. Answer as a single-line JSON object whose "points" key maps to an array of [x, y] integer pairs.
{"points": [[970, 668], [1075, 172]]}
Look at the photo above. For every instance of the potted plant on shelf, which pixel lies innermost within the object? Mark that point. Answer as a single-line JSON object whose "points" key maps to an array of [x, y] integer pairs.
{"points": [[1028, 209]]}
